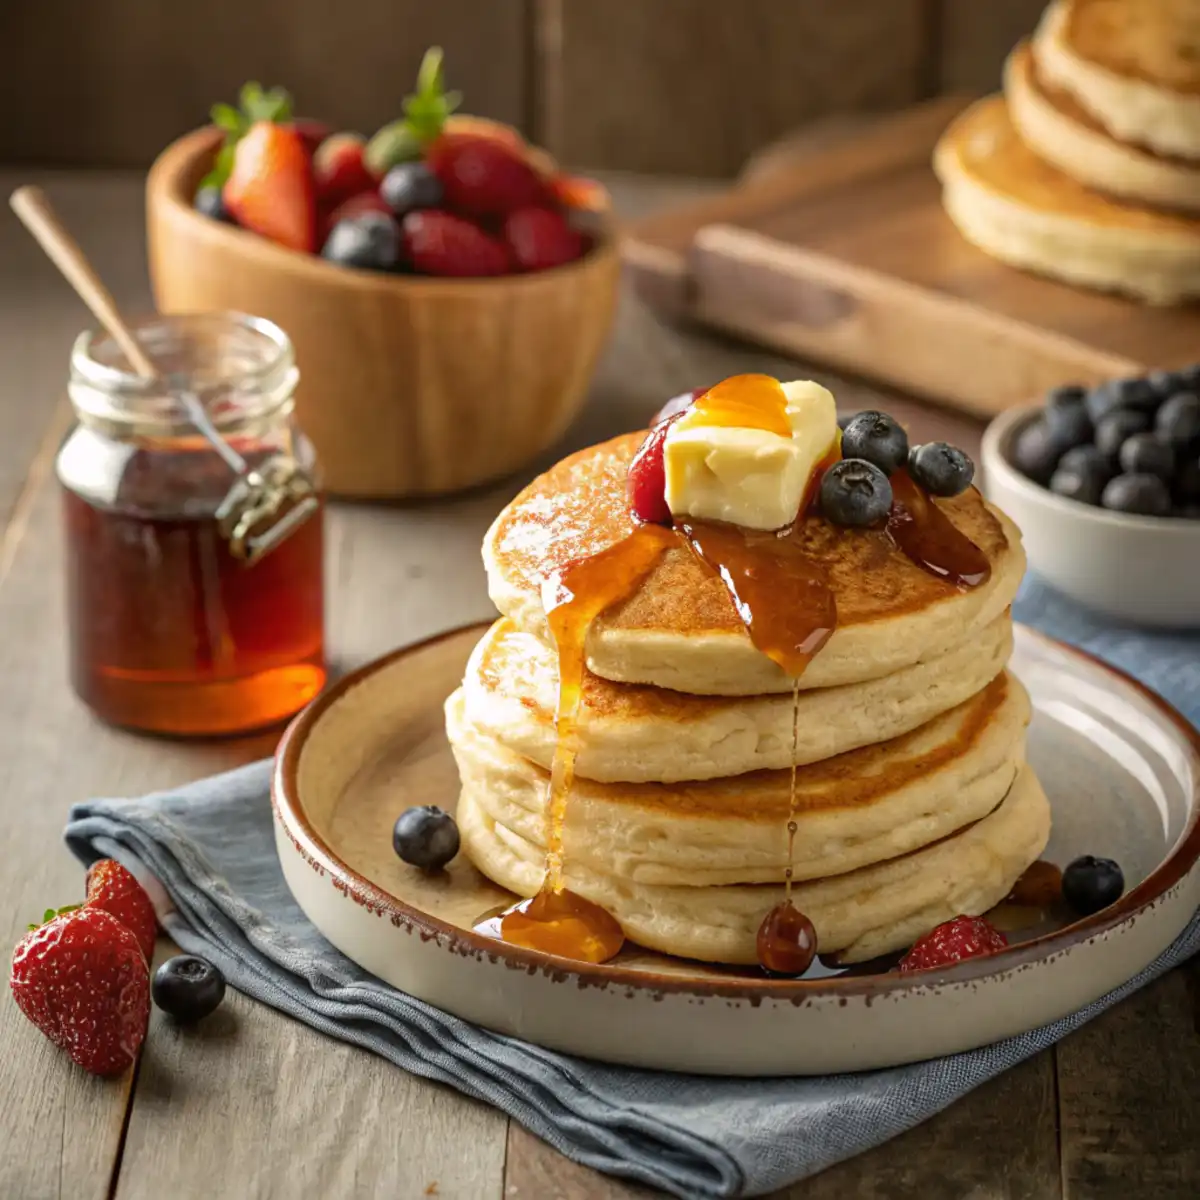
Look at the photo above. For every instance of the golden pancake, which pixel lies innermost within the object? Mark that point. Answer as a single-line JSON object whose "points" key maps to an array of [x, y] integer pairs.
{"points": [[639, 734], [679, 629], [1018, 208], [1134, 65], [859, 915], [858, 808], [1058, 128]]}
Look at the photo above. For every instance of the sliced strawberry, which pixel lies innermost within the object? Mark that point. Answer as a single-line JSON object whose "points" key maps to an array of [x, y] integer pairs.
{"points": [[270, 188], [339, 171], [953, 941], [82, 979], [439, 243], [111, 887], [540, 238], [483, 176]]}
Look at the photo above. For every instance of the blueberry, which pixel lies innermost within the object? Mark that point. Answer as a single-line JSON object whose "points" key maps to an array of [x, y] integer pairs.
{"points": [[1113, 429], [1189, 378], [1121, 393], [1068, 395], [425, 837], [1088, 459], [855, 492], [1178, 421], [1145, 495], [1036, 453], [1165, 383], [1101, 400], [1186, 485], [1069, 423], [370, 240], [410, 185], [941, 469], [211, 203], [876, 438], [187, 988], [1090, 884], [1078, 485], [1146, 454], [845, 420]]}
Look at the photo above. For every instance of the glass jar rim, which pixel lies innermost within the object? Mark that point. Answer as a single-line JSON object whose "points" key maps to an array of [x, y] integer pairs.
{"points": [[258, 388]]}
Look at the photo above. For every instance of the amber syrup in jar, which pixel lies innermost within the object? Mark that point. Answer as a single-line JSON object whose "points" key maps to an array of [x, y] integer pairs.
{"points": [[171, 630]]}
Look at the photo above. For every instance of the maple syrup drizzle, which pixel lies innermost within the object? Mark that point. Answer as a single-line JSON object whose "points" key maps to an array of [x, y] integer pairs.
{"points": [[930, 539], [557, 921]]}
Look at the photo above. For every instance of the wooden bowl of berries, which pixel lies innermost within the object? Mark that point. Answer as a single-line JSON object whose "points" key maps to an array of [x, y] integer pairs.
{"points": [[448, 290], [1105, 485]]}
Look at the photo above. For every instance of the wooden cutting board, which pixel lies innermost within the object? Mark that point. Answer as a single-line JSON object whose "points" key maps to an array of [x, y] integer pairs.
{"points": [[843, 256]]}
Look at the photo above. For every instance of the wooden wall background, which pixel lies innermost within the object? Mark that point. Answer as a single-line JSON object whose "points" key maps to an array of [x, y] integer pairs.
{"points": [[683, 86]]}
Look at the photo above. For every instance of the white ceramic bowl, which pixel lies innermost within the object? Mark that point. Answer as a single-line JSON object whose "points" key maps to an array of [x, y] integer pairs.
{"points": [[1140, 569]]}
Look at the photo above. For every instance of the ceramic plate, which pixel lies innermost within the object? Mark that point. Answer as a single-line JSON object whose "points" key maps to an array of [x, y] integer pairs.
{"points": [[1121, 768]]}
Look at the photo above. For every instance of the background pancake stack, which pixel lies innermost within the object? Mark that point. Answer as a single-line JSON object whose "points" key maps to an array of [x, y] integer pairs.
{"points": [[1087, 169], [913, 800]]}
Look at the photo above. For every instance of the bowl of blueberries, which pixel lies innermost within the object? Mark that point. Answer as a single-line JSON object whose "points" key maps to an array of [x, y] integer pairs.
{"points": [[1104, 482]]}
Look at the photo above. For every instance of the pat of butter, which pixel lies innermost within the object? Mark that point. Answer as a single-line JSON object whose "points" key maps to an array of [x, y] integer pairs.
{"points": [[749, 477]]}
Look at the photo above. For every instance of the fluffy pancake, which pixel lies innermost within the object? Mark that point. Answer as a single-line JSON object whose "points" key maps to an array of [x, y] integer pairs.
{"points": [[1133, 64], [645, 734], [679, 630], [862, 914], [1018, 208], [1058, 128], [855, 809]]}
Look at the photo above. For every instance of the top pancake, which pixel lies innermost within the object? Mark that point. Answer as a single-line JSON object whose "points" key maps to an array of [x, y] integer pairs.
{"points": [[679, 630]]}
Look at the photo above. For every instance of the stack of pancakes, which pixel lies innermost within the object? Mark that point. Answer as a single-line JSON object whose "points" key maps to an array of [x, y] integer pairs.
{"points": [[1088, 168], [913, 802]]}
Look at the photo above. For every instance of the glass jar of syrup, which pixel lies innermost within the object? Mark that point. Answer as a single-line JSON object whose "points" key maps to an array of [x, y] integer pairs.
{"points": [[173, 627]]}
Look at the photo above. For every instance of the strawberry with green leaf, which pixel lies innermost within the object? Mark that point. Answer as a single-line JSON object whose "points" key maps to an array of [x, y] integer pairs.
{"points": [[426, 112], [255, 105]]}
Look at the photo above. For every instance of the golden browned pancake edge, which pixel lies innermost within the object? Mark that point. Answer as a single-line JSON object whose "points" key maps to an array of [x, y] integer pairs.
{"points": [[1156, 41]]}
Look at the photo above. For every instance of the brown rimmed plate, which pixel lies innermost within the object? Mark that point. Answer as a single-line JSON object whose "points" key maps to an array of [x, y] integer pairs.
{"points": [[1121, 768]]}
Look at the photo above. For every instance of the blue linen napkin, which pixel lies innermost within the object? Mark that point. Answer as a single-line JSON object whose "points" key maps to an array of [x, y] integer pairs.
{"points": [[207, 855]]}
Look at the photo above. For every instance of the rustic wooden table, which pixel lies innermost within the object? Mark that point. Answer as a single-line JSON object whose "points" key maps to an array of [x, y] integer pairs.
{"points": [[252, 1104]]}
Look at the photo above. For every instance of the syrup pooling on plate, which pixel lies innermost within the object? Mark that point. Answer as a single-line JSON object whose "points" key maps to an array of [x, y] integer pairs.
{"points": [[556, 921], [930, 539]]}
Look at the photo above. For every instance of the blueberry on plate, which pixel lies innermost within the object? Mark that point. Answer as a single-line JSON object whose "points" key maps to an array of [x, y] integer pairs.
{"points": [[1146, 454], [1075, 484], [211, 203], [1036, 453], [1178, 421], [1113, 429], [1143, 495], [187, 988], [941, 469], [1090, 884], [856, 493], [410, 185], [876, 438], [425, 837], [370, 240]]}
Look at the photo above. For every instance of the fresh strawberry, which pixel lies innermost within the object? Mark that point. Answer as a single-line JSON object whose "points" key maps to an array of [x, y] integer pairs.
{"points": [[339, 171], [439, 243], [83, 981], [312, 132], [646, 483], [484, 127], [963, 937], [270, 188], [577, 192], [482, 176], [541, 238], [111, 887]]}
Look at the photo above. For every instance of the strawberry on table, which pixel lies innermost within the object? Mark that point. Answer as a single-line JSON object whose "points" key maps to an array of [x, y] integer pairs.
{"points": [[954, 941], [111, 887], [339, 171], [270, 188], [82, 979], [540, 238], [482, 176], [440, 243]]}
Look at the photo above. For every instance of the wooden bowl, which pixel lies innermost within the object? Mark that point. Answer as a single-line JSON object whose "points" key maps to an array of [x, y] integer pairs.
{"points": [[409, 386]]}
